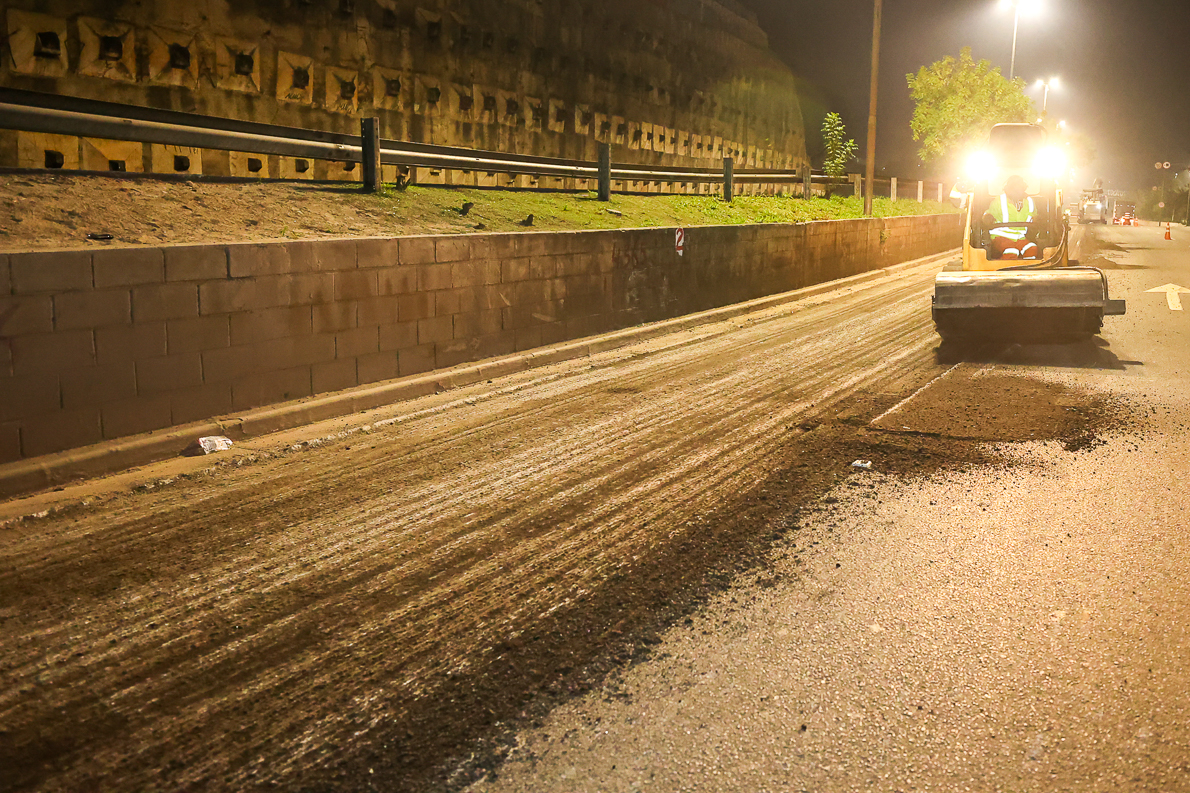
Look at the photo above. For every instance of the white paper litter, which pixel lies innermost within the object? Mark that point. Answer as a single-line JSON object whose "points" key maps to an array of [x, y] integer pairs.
{"points": [[214, 443]]}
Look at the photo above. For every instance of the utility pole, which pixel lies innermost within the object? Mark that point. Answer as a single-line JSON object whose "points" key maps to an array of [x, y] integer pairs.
{"points": [[1016, 23], [871, 169], [1187, 223]]}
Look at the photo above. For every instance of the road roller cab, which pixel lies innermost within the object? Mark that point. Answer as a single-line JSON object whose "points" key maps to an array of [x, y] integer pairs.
{"points": [[1015, 151], [1027, 290]]}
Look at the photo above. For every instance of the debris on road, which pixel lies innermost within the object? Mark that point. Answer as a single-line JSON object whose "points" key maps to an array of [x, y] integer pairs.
{"points": [[864, 464], [209, 445]]}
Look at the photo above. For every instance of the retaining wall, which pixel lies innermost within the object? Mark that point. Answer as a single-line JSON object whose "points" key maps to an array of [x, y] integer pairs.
{"points": [[683, 82], [106, 343]]}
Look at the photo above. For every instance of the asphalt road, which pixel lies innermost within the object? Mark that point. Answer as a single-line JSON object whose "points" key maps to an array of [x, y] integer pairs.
{"points": [[1013, 626], [652, 569]]}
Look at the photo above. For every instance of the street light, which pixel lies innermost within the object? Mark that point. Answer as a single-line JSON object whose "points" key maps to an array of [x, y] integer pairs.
{"points": [[1016, 6], [1047, 84]]}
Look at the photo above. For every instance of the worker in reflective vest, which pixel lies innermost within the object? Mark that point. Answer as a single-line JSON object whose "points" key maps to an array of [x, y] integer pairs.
{"points": [[1013, 205]]}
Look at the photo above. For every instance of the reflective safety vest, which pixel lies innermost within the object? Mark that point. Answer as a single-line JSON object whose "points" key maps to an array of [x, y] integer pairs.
{"points": [[1006, 212]]}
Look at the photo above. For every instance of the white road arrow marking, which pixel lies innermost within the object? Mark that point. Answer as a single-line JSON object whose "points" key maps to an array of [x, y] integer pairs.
{"points": [[1173, 294]]}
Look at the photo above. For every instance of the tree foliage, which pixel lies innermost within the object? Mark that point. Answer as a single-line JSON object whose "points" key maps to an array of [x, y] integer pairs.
{"points": [[958, 100], [839, 152]]}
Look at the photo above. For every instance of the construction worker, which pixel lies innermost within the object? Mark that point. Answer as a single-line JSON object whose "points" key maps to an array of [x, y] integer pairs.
{"points": [[1014, 204]]}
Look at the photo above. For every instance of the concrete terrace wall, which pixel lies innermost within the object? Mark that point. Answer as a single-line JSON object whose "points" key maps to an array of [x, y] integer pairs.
{"points": [[102, 344], [683, 82]]}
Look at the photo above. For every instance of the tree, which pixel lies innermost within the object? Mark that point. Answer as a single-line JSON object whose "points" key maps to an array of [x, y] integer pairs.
{"points": [[958, 101], [839, 152]]}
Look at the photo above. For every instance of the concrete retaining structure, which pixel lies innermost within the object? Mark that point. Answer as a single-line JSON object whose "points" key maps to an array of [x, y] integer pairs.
{"points": [[107, 343], [684, 82]]}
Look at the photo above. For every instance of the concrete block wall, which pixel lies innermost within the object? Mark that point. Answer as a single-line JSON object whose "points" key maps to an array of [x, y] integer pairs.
{"points": [[102, 344]]}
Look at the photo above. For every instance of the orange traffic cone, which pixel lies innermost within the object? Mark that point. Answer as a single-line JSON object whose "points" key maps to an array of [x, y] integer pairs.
{"points": [[1168, 233]]}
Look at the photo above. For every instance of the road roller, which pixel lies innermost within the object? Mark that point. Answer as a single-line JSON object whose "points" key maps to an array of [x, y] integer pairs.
{"points": [[1017, 280]]}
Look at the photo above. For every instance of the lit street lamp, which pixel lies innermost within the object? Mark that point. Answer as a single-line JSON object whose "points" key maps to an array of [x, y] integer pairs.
{"points": [[1047, 84], [1016, 6], [1016, 24]]}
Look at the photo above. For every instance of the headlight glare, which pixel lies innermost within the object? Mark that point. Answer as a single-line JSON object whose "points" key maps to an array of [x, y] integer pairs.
{"points": [[1050, 163], [981, 167]]}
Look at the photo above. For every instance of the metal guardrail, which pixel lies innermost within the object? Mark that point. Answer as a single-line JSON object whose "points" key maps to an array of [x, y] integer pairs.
{"points": [[31, 111]]}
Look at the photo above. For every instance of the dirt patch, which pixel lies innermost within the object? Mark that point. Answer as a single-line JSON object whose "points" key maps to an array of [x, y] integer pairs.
{"points": [[59, 211], [1009, 408], [1106, 255]]}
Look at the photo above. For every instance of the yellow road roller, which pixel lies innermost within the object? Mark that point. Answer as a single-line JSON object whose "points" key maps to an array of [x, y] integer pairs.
{"points": [[1017, 280]]}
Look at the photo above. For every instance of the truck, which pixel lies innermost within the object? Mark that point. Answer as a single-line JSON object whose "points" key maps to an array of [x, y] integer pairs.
{"points": [[1092, 205], [1123, 212]]}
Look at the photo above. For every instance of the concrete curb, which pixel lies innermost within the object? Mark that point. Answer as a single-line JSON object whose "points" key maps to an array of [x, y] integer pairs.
{"points": [[26, 476]]}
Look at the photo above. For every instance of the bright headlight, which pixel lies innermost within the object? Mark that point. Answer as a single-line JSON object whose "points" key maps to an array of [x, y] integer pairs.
{"points": [[1050, 163], [981, 167]]}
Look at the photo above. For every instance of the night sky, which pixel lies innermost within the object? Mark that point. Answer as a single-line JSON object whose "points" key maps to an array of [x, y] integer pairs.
{"points": [[1124, 69]]}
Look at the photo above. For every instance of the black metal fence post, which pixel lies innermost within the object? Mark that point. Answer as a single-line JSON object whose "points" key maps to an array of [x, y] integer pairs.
{"points": [[370, 134], [605, 171], [728, 179]]}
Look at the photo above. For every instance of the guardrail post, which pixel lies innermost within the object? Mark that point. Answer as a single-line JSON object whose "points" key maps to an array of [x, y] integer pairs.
{"points": [[370, 135], [728, 179], [605, 171], [921, 191], [807, 182], [892, 189]]}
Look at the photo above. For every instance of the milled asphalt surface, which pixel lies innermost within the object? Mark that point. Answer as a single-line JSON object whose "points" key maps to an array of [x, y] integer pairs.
{"points": [[351, 605], [533, 568], [1015, 627]]}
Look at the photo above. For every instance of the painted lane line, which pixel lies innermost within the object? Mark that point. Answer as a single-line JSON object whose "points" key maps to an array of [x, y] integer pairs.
{"points": [[1173, 295], [909, 398]]}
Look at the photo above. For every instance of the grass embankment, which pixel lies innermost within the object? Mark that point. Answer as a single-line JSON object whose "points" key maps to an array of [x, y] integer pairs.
{"points": [[506, 211], [60, 210]]}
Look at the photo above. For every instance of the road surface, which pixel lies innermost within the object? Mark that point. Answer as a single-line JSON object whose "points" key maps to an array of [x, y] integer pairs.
{"points": [[652, 569]]}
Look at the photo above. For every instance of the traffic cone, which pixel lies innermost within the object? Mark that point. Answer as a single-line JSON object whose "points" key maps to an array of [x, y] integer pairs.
{"points": [[1168, 233]]}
